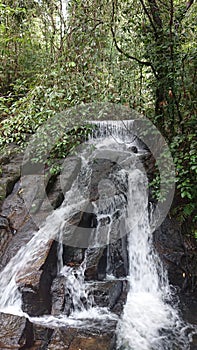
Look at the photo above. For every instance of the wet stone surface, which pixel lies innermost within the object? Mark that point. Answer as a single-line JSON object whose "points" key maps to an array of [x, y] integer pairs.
{"points": [[179, 255], [12, 329], [6, 234], [43, 292], [75, 339], [58, 297], [107, 293], [35, 282]]}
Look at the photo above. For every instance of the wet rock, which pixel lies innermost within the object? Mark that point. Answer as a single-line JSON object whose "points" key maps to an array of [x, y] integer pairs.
{"points": [[4, 223], [75, 339], [10, 171], [5, 234], [70, 169], [133, 149], [168, 236], [84, 219], [118, 264], [12, 331], [79, 232], [34, 190], [179, 255], [41, 336], [119, 305], [58, 296], [4, 159], [101, 170], [14, 208], [55, 194], [193, 345], [106, 293], [42, 192], [50, 201], [188, 307], [73, 256], [18, 240], [35, 282], [96, 264], [7, 185]]}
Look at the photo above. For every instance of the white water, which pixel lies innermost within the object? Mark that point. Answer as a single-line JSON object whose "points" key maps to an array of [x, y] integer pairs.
{"points": [[149, 322]]}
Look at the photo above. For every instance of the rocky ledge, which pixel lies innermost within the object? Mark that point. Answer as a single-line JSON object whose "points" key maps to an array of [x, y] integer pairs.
{"points": [[45, 293]]}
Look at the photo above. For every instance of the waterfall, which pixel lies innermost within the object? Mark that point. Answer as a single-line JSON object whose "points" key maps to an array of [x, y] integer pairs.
{"points": [[149, 319]]}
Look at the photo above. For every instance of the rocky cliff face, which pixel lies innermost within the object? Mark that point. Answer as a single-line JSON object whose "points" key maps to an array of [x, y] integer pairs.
{"points": [[44, 292]]}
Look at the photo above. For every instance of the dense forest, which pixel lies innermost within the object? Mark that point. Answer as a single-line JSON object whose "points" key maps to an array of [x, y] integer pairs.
{"points": [[55, 54]]}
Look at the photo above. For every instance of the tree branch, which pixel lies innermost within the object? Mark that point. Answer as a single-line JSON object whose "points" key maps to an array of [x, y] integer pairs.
{"points": [[183, 13], [189, 4], [144, 63], [171, 28], [155, 13], [149, 17]]}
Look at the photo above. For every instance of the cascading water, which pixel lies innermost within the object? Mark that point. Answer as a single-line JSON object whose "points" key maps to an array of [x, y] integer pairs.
{"points": [[149, 321]]}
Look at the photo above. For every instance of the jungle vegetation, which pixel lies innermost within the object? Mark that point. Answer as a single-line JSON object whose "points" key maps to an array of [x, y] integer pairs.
{"points": [[56, 54]]}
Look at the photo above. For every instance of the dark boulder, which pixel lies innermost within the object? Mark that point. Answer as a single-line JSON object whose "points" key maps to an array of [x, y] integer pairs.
{"points": [[106, 293], [5, 234], [12, 332], [96, 263], [35, 283], [179, 255], [75, 339], [58, 292]]}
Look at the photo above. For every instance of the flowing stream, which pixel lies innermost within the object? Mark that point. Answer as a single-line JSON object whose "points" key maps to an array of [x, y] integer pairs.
{"points": [[149, 320]]}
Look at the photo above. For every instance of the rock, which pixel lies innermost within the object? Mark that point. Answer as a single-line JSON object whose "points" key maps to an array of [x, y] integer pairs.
{"points": [[4, 223], [58, 296], [96, 263], [7, 185], [41, 337], [188, 307], [75, 339], [4, 159], [101, 170], [106, 293], [55, 194], [43, 192], [119, 305], [19, 333], [193, 345], [73, 256], [70, 169], [35, 282], [21, 223], [118, 264], [14, 208], [18, 240], [10, 171], [12, 332], [178, 255], [133, 149], [84, 219], [5, 234], [50, 201], [79, 232]]}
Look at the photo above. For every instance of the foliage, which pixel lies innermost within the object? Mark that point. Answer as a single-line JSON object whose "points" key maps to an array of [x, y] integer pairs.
{"points": [[55, 55], [63, 145]]}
